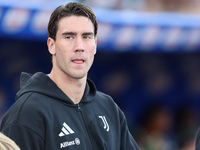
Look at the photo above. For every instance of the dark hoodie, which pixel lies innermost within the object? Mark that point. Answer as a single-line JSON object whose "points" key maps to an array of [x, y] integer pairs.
{"points": [[44, 118]]}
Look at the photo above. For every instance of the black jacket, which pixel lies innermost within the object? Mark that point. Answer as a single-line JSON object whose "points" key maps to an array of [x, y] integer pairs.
{"points": [[44, 118]]}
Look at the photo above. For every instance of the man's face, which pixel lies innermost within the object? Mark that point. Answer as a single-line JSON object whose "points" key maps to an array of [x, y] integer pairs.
{"points": [[75, 46]]}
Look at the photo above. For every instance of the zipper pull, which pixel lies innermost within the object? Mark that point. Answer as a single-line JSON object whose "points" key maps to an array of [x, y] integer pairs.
{"points": [[79, 107]]}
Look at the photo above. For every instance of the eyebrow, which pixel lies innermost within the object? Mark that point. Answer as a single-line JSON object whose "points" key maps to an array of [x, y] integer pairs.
{"points": [[74, 33], [88, 33]]}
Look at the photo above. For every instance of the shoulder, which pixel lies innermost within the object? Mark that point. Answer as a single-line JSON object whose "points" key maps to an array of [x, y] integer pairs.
{"points": [[108, 103], [26, 109], [104, 97], [26, 113]]}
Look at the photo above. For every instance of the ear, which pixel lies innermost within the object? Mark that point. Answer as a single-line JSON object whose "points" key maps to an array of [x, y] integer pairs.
{"points": [[51, 45], [95, 46]]}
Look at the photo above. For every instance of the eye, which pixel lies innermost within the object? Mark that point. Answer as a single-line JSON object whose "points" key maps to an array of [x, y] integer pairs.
{"points": [[69, 37], [87, 37]]}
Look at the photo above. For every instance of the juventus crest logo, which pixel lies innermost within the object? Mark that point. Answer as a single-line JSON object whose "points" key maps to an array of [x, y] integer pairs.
{"points": [[106, 126]]}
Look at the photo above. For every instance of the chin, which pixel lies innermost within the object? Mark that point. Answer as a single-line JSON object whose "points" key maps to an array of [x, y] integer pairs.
{"points": [[79, 76]]}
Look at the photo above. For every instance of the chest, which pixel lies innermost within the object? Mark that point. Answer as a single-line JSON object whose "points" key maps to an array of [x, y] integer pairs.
{"points": [[83, 127]]}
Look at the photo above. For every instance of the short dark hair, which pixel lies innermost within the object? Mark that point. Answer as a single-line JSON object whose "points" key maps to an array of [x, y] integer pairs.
{"points": [[70, 9]]}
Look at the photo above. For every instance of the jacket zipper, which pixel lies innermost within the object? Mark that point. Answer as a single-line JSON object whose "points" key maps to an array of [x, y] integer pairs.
{"points": [[79, 109]]}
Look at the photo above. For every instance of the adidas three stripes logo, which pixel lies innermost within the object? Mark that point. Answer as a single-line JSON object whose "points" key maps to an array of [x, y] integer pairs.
{"points": [[66, 130]]}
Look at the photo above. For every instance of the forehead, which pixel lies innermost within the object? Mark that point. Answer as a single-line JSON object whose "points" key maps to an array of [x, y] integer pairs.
{"points": [[75, 24]]}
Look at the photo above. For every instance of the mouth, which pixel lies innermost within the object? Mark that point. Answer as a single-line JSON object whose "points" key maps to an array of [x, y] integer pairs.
{"points": [[78, 61]]}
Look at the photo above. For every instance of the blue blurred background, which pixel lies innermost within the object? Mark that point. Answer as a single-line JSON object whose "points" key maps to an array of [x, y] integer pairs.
{"points": [[148, 60]]}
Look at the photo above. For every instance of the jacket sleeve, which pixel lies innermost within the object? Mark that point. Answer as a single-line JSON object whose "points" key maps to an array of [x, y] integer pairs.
{"points": [[25, 138], [127, 141]]}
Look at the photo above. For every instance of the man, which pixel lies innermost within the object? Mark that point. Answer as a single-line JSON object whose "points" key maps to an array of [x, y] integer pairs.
{"points": [[63, 110]]}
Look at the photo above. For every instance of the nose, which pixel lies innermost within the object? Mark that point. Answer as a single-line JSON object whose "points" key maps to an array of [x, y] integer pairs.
{"points": [[79, 46]]}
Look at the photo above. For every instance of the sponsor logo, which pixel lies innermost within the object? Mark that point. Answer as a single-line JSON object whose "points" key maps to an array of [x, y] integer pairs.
{"points": [[70, 143], [106, 126], [66, 130]]}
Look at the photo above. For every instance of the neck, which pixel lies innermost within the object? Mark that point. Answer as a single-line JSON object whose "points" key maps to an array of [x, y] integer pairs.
{"points": [[73, 88]]}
